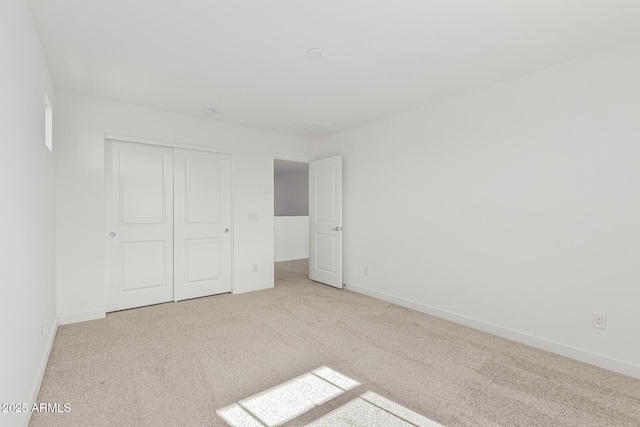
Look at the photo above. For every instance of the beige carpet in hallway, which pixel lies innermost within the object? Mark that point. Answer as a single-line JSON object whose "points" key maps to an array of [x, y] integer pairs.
{"points": [[175, 364]]}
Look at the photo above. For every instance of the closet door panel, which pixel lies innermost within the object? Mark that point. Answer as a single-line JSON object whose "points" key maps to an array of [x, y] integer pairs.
{"points": [[202, 230], [139, 234]]}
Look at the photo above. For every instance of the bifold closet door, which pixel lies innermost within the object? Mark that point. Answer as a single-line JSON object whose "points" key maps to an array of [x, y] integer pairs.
{"points": [[202, 223], [139, 190]]}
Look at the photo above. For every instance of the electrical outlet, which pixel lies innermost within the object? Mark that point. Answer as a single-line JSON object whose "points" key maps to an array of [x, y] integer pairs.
{"points": [[254, 268], [599, 321], [366, 270]]}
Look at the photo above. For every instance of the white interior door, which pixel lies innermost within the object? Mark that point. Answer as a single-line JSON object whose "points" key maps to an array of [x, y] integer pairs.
{"points": [[139, 191], [202, 230], [325, 221]]}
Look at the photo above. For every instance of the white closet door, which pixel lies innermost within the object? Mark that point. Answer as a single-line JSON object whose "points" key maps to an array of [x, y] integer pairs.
{"points": [[325, 221], [139, 187], [202, 235]]}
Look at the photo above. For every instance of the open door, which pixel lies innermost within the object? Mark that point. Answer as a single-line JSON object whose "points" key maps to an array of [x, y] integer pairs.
{"points": [[325, 221]]}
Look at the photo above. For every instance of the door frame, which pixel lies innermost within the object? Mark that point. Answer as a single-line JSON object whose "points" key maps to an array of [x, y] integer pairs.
{"points": [[272, 244], [171, 144]]}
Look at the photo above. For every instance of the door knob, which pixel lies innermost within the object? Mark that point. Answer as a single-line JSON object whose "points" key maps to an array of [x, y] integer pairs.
{"points": [[112, 235], [336, 229], [226, 230]]}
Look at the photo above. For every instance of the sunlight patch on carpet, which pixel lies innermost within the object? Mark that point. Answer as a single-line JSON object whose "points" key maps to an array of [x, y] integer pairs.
{"points": [[371, 409], [235, 416], [289, 400], [335, 378]]}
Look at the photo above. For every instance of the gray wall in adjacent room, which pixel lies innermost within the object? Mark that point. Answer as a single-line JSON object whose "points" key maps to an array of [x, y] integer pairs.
{"points": [[291, 188]]}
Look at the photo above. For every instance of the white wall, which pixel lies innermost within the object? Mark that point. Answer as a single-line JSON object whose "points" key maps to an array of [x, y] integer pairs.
{"points": [[292, 237], [27, 213], [81, 124], [514, 209]]}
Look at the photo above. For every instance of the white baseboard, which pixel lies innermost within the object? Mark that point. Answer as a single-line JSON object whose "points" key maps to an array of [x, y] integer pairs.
{"points": [[81, 317], [291, 257], [43, 367], [250, 288], [620, 366]]}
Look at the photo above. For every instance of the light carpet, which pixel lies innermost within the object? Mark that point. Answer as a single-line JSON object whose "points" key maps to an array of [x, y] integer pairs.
{"points": [[176, 364]]}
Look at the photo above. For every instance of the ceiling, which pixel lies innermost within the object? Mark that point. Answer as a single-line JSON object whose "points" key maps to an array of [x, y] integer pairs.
{"points": [[247, 58]]}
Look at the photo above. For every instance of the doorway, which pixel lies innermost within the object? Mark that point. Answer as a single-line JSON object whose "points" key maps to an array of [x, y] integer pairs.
{"points": [[291, 210], [314, 190]]}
